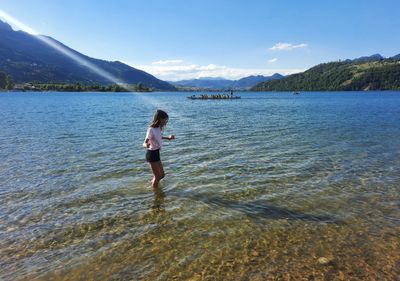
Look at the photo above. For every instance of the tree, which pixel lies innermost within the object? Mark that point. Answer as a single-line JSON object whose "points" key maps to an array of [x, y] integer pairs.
{"points": [[140, 87], [10, 83], [3, 80]]}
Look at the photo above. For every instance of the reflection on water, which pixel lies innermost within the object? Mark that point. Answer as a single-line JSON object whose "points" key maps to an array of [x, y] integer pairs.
{"points": [[257, 209], [158, 201], [269, 187]]}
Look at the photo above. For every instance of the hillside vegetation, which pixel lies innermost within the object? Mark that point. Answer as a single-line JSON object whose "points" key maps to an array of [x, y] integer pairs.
{"points": [[349, 75]]}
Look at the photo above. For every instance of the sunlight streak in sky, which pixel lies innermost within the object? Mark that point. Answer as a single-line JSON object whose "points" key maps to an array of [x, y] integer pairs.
{"points": [[65, 51], [77, 58], [17, 23]]}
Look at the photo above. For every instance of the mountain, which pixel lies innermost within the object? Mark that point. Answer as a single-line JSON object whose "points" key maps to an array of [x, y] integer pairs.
{"points": [[26, 58], [250, 81], [205, 83], [366, 73], [397, 57], [375, 57], [212, 78], [224, 84]]}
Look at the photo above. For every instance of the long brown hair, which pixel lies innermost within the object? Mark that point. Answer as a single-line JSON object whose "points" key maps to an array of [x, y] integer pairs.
{"points": [[156, 123]]}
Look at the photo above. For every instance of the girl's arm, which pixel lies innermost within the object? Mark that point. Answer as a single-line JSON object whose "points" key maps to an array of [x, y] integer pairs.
{"points": [[146, 143], [171, 137]]}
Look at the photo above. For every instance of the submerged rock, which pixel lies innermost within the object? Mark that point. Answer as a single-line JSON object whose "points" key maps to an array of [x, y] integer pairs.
{"points": [[325, 261]]}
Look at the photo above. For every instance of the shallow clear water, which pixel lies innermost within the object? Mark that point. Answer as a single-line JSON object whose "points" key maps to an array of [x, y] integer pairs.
{"points": [[269, 187]]}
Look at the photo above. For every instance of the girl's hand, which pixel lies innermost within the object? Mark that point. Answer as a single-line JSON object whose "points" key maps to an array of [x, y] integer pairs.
{"points": [[171, 137], [146, 144]]}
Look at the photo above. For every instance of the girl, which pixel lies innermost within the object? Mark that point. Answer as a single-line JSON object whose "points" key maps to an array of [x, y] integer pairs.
{"points": [[153, 144]]}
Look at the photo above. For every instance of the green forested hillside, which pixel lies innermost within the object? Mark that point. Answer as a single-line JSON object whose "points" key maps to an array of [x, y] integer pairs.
{"points": [[349, 75]]}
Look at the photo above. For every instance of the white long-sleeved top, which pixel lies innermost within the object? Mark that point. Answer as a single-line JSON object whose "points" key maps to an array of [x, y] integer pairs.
{"points": [[155, 138]]}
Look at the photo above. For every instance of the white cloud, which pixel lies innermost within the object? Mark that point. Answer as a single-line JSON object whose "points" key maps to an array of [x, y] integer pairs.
{"points": [[184, 71], [287, 47], [167, 62], [273, 60]]}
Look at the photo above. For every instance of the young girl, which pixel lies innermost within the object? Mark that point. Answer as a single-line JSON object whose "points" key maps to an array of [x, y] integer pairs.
{"points": [[153, 144]]}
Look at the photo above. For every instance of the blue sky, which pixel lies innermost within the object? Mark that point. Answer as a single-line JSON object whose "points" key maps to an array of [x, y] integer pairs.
{"points": [[176, 40]]}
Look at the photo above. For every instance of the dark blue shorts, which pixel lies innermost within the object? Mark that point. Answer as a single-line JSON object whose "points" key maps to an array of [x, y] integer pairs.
{"points": [[152, 155]]}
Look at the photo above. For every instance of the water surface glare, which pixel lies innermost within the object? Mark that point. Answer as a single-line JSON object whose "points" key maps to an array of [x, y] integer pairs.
{"points": [[273, 186]]}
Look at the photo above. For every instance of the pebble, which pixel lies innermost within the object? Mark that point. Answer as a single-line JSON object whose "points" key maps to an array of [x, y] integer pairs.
{"points": [[324, 261]]}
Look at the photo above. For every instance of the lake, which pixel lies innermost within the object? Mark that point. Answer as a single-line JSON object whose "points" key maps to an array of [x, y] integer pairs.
{"points": [[273, 186]]}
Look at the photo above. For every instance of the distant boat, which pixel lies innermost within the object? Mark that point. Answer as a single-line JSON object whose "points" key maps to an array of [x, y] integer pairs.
{"points": [[296, 93], [214, 97]]}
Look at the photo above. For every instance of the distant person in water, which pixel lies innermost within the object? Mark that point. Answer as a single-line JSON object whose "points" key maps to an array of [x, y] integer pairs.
{"points": [[153, 144]]}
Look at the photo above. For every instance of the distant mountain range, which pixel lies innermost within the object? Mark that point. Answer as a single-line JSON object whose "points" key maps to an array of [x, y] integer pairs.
{"points": [[203, 83], [250, 81], [26, 58], [365, 73], [224, 84]]}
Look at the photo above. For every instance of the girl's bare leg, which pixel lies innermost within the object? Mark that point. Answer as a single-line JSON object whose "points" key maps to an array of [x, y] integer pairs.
{"points": [[158, 173]]}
